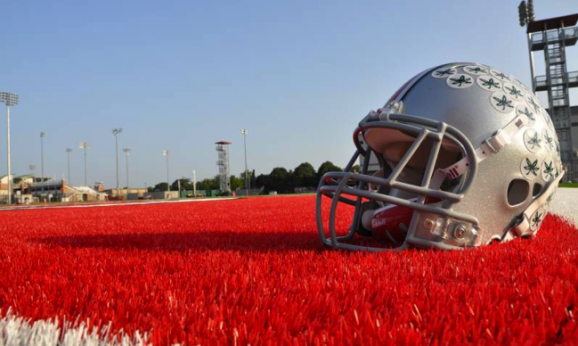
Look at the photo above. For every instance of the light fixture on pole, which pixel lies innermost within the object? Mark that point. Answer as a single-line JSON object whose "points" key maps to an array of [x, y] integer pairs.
{"points": [[117, 131], [245, 132], [68, 151], [10, 99], [127, 152], [85, 146], [166, 154]]}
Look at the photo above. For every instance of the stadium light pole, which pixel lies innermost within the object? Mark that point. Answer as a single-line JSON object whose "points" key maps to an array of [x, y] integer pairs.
{"points": [[85, 146], [245, 132], [68, 151], [166, 154], [10, 99], [127, 152], [194, 183], [42, 135], [117, 131]]}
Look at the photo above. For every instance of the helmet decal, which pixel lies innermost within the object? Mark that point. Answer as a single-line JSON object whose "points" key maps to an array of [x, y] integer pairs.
{"points": [[534, 104], [489, 83], [476, 70], [514, 92], [532, 140], [460, 81], [501, 102], [548, 169], [500, 75], [548, 140], [537, 219], [530, 167], [523, 108], [444, 72]]}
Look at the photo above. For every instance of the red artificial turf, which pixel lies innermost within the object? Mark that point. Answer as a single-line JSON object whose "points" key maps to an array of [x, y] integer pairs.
{"points": [[253, 271]]}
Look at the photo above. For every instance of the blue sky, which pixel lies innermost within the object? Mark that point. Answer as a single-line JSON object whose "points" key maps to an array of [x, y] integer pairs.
{"points": [[180, 75]]}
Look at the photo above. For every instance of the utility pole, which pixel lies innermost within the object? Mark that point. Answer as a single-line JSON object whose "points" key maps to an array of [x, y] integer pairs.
{"points": [[127, 152], [68, 151], [42, 135], [245, 132], [194, 183], [10, 99], [85, 146], [166, 154], [117, 131]]}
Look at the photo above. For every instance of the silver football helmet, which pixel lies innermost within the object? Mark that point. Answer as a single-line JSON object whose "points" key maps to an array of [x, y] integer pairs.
{"points": [[461, 155]]}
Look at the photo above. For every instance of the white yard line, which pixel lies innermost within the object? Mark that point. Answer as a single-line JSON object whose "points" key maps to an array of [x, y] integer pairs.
{"points": [[17, 331]]}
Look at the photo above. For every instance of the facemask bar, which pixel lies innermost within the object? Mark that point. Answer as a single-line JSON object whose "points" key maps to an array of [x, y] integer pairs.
{"points": [[335, 184]]}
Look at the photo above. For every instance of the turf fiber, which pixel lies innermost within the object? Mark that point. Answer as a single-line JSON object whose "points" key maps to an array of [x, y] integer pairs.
{"points": [[252, 271]]}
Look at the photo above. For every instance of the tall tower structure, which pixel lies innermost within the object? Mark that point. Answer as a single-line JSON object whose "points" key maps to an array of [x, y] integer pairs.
{"points": [[223, 163], [553, 36]]}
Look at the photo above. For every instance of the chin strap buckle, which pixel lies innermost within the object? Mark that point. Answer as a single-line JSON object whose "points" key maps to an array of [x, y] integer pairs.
{"points": [[498, 141]]}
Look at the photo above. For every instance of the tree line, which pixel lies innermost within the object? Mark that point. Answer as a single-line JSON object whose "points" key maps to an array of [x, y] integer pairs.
{"points": [[304, 176]]}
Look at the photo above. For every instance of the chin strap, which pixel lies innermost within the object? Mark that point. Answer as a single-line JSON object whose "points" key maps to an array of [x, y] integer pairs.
{"points": [[524, 227], [489, 147]]}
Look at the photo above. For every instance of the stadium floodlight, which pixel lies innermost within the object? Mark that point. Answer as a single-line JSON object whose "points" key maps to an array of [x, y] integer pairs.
{"points": [[10, 99], [117, 131], [127, 152], [166, 154], [85, 146], [68, 151], [245, 132]]}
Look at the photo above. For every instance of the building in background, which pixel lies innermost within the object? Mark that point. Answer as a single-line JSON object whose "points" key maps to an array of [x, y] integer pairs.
{"points": [[32, 189], [128, 194]]}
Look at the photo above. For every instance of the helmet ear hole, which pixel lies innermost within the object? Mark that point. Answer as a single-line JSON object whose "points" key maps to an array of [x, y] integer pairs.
{"points": [[518, 191], [536, 190]]}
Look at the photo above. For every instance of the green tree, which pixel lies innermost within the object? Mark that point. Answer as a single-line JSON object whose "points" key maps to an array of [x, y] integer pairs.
{"points": [[304, 176], [263, 181], [186, 184], [236, 183], [160, 187], [280, 180], [209, 184], [327, 166]]}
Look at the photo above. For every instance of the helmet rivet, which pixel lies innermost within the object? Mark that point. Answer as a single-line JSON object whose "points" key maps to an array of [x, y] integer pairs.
{"points": [[460, 232], [428, 224]]}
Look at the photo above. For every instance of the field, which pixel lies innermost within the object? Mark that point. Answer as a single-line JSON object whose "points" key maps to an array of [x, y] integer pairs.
{"points": [[252, 271]]}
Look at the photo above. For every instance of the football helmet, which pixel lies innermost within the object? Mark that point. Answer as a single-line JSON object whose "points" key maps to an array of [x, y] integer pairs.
{"points": [[460, 156]]}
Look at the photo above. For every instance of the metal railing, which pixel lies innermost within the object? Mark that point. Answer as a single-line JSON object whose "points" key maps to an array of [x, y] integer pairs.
{"points": [[571, 77], [554, 35]]}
